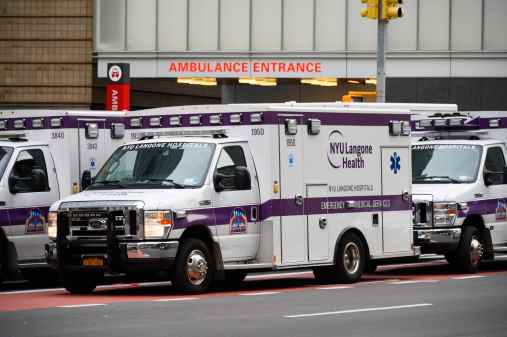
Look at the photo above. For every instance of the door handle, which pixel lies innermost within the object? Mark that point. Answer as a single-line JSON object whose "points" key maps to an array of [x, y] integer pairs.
{"points": [[299, 199], [405, 195]]}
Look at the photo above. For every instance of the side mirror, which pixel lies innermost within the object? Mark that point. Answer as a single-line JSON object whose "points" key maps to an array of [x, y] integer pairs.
{"points": [[223, 182], [489, 178], [86, 180], [14, 184], [39, 180], [242, 179]]}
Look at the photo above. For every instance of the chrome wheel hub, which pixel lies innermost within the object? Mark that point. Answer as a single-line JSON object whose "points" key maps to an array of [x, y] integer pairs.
{"points": [[351, 258], [476, 251], [197, 267]]}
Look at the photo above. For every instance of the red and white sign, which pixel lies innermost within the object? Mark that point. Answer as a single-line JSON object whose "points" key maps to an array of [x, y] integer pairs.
{"points": [[118, 97], [118, 89]]}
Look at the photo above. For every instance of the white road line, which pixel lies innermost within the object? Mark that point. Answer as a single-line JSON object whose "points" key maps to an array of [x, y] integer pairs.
{"points": [[271, 275], [260, 293], [176, 299], [467, 277], [377, 282], [82, 305], [414, 281], [333, 287], [341, 312], [31, 291]]}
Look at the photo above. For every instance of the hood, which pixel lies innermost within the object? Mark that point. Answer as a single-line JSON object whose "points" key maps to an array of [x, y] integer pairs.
{"points": [[153, 199], [443, 192]]}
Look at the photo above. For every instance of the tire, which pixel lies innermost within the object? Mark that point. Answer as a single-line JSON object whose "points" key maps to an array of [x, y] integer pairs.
{"points": [[2, 263], [194, 267], [350, 261], [470, 250], [80, 282], [451, 258]]}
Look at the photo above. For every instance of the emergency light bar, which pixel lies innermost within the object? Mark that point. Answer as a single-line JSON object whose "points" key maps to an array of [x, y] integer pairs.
{"points": [[184, 133], [37, 123], [19, 124]]}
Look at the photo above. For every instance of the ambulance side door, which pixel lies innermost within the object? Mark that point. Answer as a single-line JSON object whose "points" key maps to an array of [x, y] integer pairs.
{"points": [[33, 187], [496, 191], [236, 203], [396, 167]]}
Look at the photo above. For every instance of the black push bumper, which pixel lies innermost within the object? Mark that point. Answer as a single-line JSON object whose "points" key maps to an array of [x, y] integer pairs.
{"points": [[437, 240], [140, 256]]}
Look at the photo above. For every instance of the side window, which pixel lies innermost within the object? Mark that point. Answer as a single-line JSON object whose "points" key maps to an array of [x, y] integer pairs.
{"points": [[29, 173], [495, 163], [231, 158]]}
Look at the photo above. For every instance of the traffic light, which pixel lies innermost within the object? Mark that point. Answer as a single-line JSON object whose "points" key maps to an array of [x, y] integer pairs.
{"points": [[391, 10], [371, 10]]}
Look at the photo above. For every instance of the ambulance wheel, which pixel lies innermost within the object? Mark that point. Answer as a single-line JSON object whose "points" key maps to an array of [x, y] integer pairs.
{"points": [[194, 268], [350, 258], [2, 263], [470, 250], [451, 258], [80, 282]]}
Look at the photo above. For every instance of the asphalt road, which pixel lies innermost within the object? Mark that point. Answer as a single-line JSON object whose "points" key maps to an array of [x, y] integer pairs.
{"points": [[421, 300]]}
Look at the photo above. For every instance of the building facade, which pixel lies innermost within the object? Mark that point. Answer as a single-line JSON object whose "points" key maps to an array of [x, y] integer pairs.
{"points": [[46, 53], [54, 53]]}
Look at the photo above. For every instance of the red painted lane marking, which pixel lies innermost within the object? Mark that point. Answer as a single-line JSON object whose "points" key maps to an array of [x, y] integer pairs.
{"points": [[130, 292]]}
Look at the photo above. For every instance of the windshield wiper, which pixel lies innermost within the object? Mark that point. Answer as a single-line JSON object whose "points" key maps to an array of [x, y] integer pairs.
{"points": [[163, 180], [425, 178], [109, 182]]}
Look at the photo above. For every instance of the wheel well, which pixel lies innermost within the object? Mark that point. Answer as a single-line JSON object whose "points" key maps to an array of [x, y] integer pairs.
{"points": [[203, 233], [474, 220], [198, 232], [359, 234]]}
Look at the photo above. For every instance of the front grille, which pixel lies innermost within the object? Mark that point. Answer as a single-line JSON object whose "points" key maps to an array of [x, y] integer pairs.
{"points": [[97, 224], [423, 214], [100, 220]]}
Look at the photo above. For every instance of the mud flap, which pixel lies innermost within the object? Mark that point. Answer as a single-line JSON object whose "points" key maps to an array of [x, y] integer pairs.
{"points": [[219, 264], [488, 253]]}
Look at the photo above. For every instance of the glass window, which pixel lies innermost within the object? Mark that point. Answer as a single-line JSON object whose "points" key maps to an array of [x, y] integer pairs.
{"points": [[29, 165], [230, 158], [5, 155], [495, 163], [156, 165], [445, 163]]}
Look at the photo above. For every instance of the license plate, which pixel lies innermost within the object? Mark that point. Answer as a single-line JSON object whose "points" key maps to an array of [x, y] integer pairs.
{"points": [[93, 261]]}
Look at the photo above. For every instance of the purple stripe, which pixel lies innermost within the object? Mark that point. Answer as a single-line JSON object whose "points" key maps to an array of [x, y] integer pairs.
{"points": [[273, 118], [18, 216], [68, 122], [286, 207], [483, 207]]}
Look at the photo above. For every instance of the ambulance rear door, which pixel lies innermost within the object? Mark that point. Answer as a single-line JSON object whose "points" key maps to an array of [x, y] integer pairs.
{"points": [[91, 141]]}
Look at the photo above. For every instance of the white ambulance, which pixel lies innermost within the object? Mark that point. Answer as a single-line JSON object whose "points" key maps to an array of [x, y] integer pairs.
{"points": [[460, 185], [43, 154], [215, 192]]}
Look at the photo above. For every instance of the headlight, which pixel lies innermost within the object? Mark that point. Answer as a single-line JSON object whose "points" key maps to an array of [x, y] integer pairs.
{"points": [[157, 224], [444, 214], [52, 220]]}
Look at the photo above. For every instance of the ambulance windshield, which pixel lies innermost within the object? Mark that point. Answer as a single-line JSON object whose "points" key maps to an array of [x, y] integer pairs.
{"points": [[5, 155], [156, 165], [445, 163]]}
